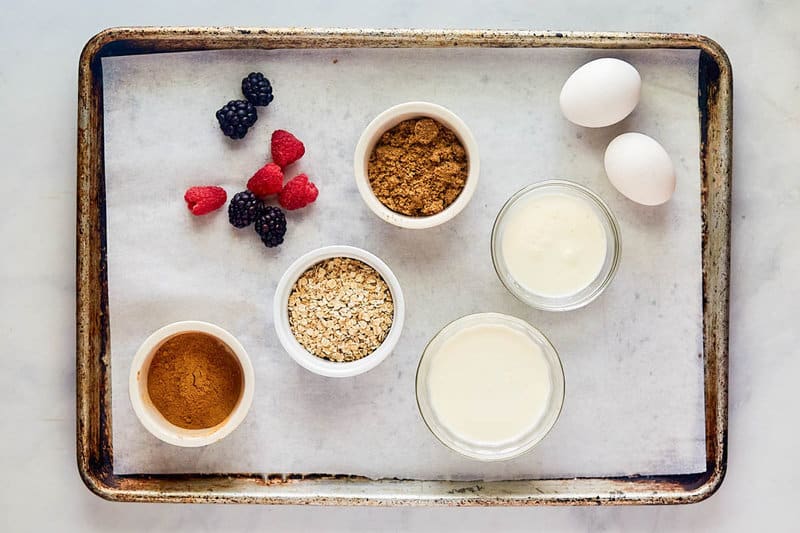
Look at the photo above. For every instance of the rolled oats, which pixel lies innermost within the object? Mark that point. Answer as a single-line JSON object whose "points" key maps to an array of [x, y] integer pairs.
{"points": [[340, 309]]}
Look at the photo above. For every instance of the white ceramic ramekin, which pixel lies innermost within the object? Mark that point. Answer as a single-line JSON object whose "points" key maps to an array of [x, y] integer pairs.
{"points": [[153, 420], [305, 358], [387, 120]]}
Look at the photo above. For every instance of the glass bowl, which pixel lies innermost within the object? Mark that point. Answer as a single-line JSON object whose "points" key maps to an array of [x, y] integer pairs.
{"points": [[604, 276], [506, 449]]}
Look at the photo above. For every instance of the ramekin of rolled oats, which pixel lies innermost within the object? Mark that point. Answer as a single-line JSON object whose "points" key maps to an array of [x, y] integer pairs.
{"points": [[338, 311]]}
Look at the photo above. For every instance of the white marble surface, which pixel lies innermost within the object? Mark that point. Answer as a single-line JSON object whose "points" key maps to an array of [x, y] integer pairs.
{"points": [[41, 42]]}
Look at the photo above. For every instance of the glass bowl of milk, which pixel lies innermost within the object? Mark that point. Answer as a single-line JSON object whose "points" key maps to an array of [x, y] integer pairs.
{"points": [[555, 245], [490, 386]]}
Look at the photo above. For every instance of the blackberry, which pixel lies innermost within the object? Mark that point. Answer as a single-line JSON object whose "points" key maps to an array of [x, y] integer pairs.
{"points": [[236, 117], [244, 209], [257, 89], [271, 226]]}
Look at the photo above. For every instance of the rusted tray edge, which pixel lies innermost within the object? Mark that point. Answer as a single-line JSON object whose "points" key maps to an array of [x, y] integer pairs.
{"points": [[94, 446]]}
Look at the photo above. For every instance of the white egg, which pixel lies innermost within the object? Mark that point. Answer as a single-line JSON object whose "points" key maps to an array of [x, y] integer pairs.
{"points": [[640, 168], [600, 93]]}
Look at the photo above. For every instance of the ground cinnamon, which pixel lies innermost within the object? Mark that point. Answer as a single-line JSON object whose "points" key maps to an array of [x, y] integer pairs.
{"points": [[194, 380], [418, 167]]}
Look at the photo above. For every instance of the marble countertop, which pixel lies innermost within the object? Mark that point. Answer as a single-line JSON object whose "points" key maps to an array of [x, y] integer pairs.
{"points": [[41, 489]]}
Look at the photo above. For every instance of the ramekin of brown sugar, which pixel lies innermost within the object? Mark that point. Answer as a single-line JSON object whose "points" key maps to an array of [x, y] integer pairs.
{"points": [[416, 165]]}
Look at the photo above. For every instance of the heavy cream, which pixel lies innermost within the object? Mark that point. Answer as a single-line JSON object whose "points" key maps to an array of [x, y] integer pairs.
{"points": [[553, 244], [489, 384]]}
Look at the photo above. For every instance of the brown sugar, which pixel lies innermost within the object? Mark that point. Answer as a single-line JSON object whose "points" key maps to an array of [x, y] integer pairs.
{"points": [[418, 167], [194, 380]]}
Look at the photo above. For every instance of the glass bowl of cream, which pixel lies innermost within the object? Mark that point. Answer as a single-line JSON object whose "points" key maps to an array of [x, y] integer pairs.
{"points": [[555, 245], [490, 386]]}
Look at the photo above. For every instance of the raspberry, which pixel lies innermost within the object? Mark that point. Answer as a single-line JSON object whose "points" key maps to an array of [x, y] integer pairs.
{"points": [[203, 200], [298, 192], [286, 148], [271, 226], [266, 181], [244, 209]]}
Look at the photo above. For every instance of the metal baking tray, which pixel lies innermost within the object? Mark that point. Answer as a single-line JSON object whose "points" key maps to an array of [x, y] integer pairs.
{"points": [[95, 451]]}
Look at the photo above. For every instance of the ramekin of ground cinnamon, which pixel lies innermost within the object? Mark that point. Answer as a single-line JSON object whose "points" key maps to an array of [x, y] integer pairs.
{"points": [[416, 165], [191, 383]]}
